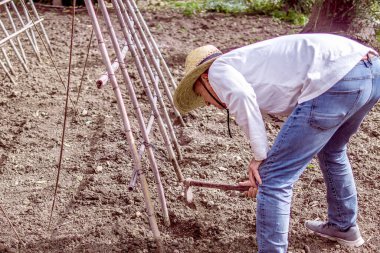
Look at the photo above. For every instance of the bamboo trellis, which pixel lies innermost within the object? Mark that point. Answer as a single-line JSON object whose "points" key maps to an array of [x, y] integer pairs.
{"points": [[153, 74], [13, 26]]}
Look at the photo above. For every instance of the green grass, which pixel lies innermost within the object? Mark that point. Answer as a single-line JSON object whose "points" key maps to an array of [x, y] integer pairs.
{"points": [[263, 7]]}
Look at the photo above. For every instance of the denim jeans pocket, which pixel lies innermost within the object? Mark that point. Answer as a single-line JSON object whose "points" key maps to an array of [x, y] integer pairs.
{"points": [[330, 109]]}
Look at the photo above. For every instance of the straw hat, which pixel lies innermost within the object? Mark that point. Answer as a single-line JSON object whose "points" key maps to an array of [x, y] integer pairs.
{"points": [[197, 62]]}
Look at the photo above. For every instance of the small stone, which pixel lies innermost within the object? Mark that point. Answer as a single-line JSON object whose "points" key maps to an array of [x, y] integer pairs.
{"points": [[99, 169], [138, 214], [117, 211], [137, 199], [14, 94], [202, 176], [234, 193], [79, 177], [84, 112], [221, 168]]}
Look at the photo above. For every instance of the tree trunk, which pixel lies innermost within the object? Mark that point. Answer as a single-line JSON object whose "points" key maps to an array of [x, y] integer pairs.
{"points": [[349, 18]]}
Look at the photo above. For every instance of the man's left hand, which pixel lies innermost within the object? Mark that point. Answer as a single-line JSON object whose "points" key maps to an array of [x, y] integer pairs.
{"points": [[252, 192], [253, 175]]}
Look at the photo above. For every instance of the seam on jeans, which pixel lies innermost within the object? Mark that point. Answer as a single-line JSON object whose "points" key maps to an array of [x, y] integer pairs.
{"points": [[262, 225], [333, 188], [372, 88], [356, 78], [309, 121], [360, 91], [286, 132], [270, 160], [268, 163]]}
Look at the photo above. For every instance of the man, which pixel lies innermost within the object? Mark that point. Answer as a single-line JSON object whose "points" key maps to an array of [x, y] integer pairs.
{"points": [[325, 84]]}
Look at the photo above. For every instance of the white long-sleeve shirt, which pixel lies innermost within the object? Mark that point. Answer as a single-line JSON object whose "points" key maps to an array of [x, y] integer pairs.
{"points": [[275, 75]]}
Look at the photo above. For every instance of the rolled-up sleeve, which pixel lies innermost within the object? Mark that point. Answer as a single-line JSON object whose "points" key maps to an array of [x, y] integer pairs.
{"points": [[240, 98]]}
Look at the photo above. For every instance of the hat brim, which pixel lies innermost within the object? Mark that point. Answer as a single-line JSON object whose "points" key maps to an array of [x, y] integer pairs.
{"points": [[185, 99]]}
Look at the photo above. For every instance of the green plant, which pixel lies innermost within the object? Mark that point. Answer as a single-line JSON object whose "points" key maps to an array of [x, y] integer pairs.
{"points": [[291, 16], [265, 7], [231, 6], [274, 8], [188, 7]]}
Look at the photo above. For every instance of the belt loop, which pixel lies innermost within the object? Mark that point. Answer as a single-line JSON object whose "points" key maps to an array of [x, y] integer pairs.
{"points": [[365, 63], [369, 59]]}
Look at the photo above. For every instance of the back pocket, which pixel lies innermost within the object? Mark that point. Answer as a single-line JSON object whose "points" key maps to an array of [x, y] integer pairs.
{"points": [[330, 109]]}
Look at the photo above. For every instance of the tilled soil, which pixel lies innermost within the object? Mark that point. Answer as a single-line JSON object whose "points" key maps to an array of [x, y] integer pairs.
{"points": [[95, 211]]}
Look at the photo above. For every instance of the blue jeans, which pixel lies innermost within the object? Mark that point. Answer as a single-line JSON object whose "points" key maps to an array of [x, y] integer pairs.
{"points": [[322, 127]]}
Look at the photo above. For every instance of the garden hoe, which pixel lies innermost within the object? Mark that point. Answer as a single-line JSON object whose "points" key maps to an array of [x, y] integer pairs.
{"points": [[188, 183]]}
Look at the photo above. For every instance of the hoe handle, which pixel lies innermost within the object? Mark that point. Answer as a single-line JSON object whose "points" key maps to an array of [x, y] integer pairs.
{"points": [[226, 187]]}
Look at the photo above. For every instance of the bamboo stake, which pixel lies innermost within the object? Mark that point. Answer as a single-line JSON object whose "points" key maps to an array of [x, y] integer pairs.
{"points": [[124, 19], [4, 2], [14, 48], [25, 28], [28, 19], [153, 42], [84, 70], [132, 10], [42, 26], [136, 107], [132, 182], [11, 225], [7, 72], [126, 124], [8, 61], [65, 112], [35, 49], [15, 30], [103, 79], [150, 73]]}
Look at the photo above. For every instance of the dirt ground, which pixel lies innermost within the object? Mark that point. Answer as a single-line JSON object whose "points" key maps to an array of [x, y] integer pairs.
{"points": [[94, 210]]}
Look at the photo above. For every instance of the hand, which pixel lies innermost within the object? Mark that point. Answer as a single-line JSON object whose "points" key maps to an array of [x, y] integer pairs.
{"points": [[252, 192], [253, 174]]}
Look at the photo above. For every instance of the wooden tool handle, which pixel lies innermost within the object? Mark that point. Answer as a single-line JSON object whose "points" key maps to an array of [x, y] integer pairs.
{"points": [[226, 187]]}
